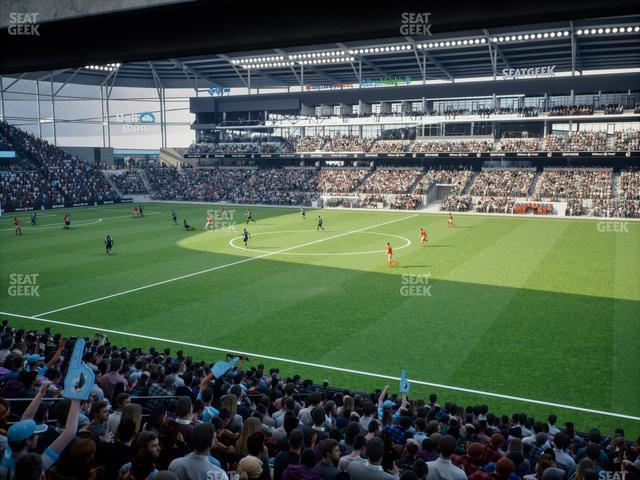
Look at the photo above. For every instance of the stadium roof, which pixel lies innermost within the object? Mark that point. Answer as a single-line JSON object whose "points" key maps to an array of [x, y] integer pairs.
{"points": [[586, 44]]}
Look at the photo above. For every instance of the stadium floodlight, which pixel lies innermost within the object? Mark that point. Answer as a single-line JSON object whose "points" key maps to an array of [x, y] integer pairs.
{"points": [[482, 40], [545, 35], [629, 29], [593, 31], [501, 39], [494, 39], [431, 45], [447, 43], [607, 30], [600, 30], [539, 35], [615, 30], [579, 32], [519, 37], [552, 34], [636, 29], [513, 38]]}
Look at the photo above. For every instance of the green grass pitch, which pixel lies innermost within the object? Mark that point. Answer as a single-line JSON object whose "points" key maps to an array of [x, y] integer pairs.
{"points": [[544, 309]]}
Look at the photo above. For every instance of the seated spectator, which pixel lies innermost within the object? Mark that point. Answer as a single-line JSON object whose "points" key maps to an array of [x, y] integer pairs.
{"points": [[196, 465]]}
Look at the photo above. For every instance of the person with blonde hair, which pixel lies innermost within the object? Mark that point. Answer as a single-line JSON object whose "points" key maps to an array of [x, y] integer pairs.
{"points": [[249, 468], [251, 426], [133, 411], [583, 466], [230, 403]]}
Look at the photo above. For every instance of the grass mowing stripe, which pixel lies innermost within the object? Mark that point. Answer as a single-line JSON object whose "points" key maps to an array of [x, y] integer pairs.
{"points": [[219, 267], [327, 367]]}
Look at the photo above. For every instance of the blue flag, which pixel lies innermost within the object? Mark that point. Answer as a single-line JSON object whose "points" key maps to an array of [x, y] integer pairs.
{"points": [[221, 368], [404, 383], [80, 378]]}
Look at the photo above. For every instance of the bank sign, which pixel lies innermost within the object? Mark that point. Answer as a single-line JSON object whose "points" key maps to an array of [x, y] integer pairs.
{"points": [[136, 123], [533, 72]]}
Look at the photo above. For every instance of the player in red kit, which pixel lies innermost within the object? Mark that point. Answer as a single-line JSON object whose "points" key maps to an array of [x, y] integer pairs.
{"points": [[423, 237], [389, 255]]}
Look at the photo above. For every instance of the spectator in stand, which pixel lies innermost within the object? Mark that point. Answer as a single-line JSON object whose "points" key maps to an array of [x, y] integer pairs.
{"points": [[372, 468], [196, 465]]}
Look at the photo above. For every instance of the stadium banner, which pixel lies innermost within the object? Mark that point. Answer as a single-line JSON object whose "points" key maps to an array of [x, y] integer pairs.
{"points": [[356, 155]]}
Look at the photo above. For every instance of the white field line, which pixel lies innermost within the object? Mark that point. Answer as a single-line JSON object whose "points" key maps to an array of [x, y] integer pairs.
{"points": [[220, 267], [77, 223], [328, 367]]}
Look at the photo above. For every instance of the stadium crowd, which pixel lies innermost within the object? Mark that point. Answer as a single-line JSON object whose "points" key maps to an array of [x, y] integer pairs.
{"points": [[391, 180], [503, 183], [57, 178], [576, 142], [156, 414], [562, 110], [129, 182], [557, 184], [395, 142]]}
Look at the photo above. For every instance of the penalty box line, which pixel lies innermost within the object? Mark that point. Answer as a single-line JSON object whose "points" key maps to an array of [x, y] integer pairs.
{"points": [[219, 267], [328, 367]]}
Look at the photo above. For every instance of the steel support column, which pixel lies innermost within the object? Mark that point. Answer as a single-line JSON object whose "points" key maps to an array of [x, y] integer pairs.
{"points": [[38, 105], [53, 113]]}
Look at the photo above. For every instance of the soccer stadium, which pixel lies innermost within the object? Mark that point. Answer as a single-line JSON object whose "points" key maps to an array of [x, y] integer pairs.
{"points": [[319, 242]]}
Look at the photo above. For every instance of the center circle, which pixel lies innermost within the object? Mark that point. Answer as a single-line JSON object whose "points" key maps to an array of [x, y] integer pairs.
{"points": [[370, 252]]}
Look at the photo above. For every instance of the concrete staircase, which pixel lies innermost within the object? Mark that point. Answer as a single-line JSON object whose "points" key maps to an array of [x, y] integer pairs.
{"points": [[534, 184], [145, 180], [107, 177], [615, 183], [174, 157], [471, 180]]}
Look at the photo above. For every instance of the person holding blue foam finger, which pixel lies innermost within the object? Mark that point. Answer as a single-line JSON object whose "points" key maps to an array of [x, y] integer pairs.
{"points": [[23, 435]]}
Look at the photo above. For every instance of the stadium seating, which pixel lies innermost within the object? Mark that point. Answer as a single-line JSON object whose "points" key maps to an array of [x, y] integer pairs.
{"points": [[150, 408], [129, 182], [584, 141], [56, 178]]}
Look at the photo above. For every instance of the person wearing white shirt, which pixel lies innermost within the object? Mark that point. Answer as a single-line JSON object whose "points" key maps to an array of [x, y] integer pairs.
{"points": [[443, 468]]}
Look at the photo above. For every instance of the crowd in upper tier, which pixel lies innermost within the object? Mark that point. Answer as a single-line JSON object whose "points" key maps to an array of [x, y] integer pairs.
{"points": [[152, 414], [583, 141], [49, 175], [46, 175]]}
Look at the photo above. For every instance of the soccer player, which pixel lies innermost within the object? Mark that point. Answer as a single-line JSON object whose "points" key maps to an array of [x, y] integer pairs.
{"points": [[209, 223], [174, 216], [319, 223], [136, 213], [250, 217], [108, 244], [389, 255], [423, 237], [304, 214], [245, 237], [450, 221], [67, 221], [186, 226], [16, 224], [34, 218], [140, 210]]}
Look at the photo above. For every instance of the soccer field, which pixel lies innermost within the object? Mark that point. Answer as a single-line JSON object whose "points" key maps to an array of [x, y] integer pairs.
{"points": [[541, 309]]}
